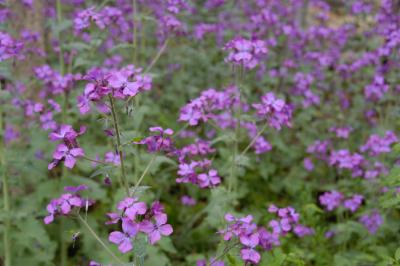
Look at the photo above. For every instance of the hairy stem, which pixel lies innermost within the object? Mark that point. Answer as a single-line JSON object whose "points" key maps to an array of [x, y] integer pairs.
{"points": [[6, 195], [144, 173], [123, 181], [98, 239]]}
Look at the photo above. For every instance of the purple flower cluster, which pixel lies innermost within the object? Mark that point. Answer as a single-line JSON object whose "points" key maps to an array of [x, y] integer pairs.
{"points": [[274, 110], [136, 217], [121, 84], [303, 87], [160, 142], [54, 82], [341, 132], [333, 199], [9, 47], [69, 150], [66, 203], [250, 236], [376, 90], [343, 159], [376, 144], [188, 201], [193, 168], [372, 221], [261, 145], [204, 107], [246, 53]]}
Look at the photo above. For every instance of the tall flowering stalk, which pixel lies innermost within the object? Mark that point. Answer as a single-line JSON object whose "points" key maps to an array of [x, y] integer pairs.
{"points": [[6, 192], [123, 180]]}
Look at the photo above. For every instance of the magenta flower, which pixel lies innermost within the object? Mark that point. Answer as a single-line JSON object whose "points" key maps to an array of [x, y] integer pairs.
{"points": [[353, 203], [188, 201], [76, 189], [209, 179], [331, 200], [69, 156], [123, 239], [249, 253], [372, 221], [274, 110], [155, 231], [66, 133], [132, 207], [160, 142], [245, 52], [64, 205]]}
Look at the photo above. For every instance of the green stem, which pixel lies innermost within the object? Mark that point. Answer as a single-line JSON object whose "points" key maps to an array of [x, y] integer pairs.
{"points": [[94, 161], [84, 222], [123, 181], [226, 250], [157, 56], [237, 134], [144, 174], [6, 197], [254, 140]]}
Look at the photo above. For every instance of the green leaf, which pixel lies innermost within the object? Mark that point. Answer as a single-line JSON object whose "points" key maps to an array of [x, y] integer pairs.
{"points": [[397, 254], [102, 171], [166, 245]]}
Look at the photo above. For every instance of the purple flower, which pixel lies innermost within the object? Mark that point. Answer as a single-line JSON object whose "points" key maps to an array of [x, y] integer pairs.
{"points": [[67, 134], [69, 156], [245, 52], [376, 90], [251, 255], [308, 164], [274, 110], [331, 200], [160, 142], [372, 221], [123, 239], [302, 231], [155, 231], [132, 207], [353, 203], [209, 179], [76, 189], [376, 144], [63, 206], [188, 201], [112, 157]]}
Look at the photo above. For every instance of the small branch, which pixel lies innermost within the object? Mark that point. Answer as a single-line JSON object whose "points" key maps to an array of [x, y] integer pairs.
{"points": [[93, 160], [158, 55], [153, 62], [254, 140], [122, 180], [144, 173], [84, 222], [226, 250]]}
